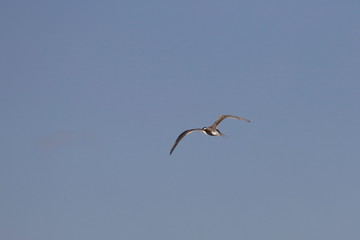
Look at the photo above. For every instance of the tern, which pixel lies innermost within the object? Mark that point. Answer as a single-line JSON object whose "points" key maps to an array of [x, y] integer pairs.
{"points": [[211, 130]]}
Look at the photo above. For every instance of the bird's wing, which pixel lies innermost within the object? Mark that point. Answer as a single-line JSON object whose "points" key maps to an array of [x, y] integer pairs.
{"points": [[182, 135], [222, 117]]}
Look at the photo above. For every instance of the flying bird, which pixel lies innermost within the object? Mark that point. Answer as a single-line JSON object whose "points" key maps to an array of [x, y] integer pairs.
{"points": [[211, 130]]}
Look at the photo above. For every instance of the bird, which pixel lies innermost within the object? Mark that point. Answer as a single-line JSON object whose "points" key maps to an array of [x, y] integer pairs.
{"points": [[211, 130]]}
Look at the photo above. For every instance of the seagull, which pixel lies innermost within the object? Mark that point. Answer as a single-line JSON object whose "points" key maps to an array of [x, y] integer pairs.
{"points": [[211, 130]]}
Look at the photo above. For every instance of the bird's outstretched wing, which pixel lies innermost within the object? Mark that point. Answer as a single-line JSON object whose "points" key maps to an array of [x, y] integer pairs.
{"points": [[222, 117], [182, 135]]}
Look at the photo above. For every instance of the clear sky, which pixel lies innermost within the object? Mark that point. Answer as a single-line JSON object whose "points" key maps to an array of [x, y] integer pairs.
{"points": [[94, 93]]}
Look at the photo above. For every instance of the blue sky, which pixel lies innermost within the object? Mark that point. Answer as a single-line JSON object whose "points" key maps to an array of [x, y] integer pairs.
{"points": [[94, 93]]}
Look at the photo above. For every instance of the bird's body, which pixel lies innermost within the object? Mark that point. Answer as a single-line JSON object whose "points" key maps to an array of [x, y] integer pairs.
{"points": [[211, 130]]}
